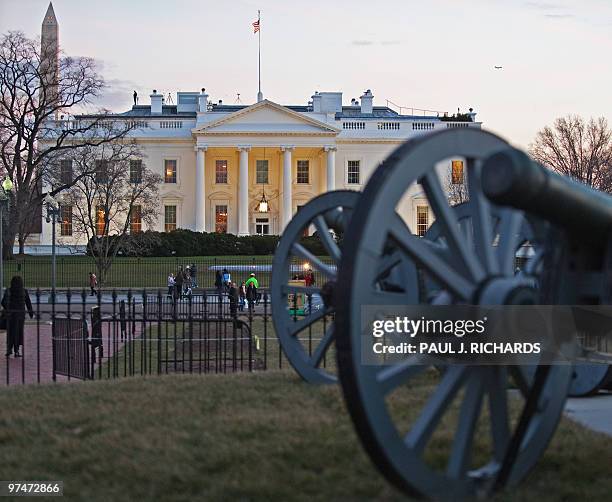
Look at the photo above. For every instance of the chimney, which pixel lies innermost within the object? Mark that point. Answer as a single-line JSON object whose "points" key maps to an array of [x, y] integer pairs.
{"points": [[203, 101], [366, 102], [156, 103], [316, 102]]}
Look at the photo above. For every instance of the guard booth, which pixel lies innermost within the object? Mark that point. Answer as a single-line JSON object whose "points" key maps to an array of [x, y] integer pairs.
{"points": [[70, 348]]}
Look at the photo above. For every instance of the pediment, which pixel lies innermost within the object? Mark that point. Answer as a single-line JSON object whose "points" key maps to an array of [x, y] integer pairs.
{"points": [[266, 118]]}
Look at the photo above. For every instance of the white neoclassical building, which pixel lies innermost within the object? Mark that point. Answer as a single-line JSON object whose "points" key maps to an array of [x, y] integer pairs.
{"points": [[218, 160]]}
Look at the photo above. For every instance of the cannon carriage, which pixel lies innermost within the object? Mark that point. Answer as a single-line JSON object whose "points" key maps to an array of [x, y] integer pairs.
{"points": [[467, 257]]}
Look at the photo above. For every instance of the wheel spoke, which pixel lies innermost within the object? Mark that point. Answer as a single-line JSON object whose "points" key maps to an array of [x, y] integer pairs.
{"points": [[315, 262], [445, 217], [509, 228], [497, 384], [296, 327], [468, 418], [519, 380], [435, 407], [324, 344], [481, 219], [391, 377], [327, 239], [419, 251]]}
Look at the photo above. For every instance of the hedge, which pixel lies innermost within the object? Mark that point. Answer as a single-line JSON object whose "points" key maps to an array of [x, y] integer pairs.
{"points": [[188, 243]]}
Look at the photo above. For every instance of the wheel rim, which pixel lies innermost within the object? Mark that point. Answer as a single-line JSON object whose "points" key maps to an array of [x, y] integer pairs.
{"points": [[399, 455], [326, 212]]}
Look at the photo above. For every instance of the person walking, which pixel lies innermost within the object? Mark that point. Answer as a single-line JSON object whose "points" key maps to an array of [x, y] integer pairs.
{"points": [[233, 298], [122, 320], [219, 288], [178, 283], [170, 285], [242, 296], [93, 283], [227, 279], [15, 301], [251, 290]]}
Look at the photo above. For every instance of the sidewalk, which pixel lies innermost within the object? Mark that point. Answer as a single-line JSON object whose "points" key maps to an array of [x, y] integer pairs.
{"points": [[594, 412]]}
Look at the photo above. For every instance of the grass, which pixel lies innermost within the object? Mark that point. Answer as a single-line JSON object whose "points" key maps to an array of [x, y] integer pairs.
{"points": [[263, 436]]}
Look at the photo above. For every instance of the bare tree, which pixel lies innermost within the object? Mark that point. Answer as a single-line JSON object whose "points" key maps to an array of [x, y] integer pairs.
{"points": [[578, 149], [113, 190], [31, 139]]}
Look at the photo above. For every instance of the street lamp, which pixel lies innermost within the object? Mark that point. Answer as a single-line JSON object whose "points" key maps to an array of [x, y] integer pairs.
{"points": [[53, 214], [7, 186]]}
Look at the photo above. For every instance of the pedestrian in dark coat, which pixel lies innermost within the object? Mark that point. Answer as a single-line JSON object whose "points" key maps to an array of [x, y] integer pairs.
{"points": [[122, 320], [15, 301], [233, 298], [178, 283]]}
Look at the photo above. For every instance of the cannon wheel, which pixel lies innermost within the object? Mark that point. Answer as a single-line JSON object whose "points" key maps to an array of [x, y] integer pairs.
{"points": [[460, 269], [331, 210]]}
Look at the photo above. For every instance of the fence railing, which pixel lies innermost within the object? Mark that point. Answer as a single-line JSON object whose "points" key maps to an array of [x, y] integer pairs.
{"points": [[127, 333], [137, 273]]}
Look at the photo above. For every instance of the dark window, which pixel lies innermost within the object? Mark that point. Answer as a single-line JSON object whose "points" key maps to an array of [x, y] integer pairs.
{"points": [[303, 171], [102, 171], [353, 172], [66, 171], [221, 171], [135, 171], [261, 172]]}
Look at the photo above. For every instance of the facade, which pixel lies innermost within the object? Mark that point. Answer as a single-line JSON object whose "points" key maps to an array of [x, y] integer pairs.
{"points": [[218, 161]]}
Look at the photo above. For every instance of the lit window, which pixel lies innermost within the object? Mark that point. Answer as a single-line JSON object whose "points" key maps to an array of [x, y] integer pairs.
{"points": [[169, 218], [136, 220], [135, 171], [66, 171], [66, 220], [221, 219], [353, 172], [169, 171], [457, 172], [221, 171], [303, 171], [100, 223], [261, 170], [422, 220], [101, 171]]}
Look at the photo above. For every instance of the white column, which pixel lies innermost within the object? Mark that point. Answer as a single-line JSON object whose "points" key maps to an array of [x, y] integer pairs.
{"points": [[331, 167], [243, 191], [287, 171], [200, 195]]}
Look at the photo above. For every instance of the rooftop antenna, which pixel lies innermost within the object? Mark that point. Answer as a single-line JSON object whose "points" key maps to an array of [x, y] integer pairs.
{"points": [[169, 99], [238, 98]]}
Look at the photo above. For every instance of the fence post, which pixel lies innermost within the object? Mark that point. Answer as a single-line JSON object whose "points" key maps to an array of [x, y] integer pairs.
{"points": [[159, 318], [265, 330]]}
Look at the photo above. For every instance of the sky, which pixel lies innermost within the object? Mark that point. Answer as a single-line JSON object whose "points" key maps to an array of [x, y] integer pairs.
{"points": [[435, 54]]}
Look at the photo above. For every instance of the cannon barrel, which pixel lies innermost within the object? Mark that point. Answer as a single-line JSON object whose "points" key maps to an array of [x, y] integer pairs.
{"points": [[511, 178]]}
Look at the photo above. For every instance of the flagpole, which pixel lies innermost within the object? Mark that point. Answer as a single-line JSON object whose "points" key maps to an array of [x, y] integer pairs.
{"points": [[259, 95]]}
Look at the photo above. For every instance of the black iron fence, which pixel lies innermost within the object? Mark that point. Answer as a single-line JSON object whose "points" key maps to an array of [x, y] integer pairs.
{"points": [[137, 273], [122, 334]]}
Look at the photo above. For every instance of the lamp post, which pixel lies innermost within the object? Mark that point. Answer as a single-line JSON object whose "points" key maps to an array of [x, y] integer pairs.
{"points": [[7, 186], [53, 213]]}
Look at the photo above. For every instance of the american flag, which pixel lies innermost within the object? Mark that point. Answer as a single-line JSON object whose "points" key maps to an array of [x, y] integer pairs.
{"points": [[256, 26]]}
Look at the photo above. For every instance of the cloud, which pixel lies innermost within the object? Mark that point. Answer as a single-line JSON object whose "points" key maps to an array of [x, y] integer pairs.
{"points": [[558, 16], [362, 42], [550, 10], [542, 5]]}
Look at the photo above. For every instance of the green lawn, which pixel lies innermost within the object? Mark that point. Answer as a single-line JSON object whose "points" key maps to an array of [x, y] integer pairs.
{"points": [[264, 436], [73, 271]]}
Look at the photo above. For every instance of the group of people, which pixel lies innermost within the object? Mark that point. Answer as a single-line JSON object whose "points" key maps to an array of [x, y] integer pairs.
{"points": [[239, 296], [182, 283]]}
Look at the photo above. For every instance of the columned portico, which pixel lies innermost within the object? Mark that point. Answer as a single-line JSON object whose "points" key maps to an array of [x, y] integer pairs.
{"points": [[200, 192], [243, 191], [331, 163], [287, 200]]}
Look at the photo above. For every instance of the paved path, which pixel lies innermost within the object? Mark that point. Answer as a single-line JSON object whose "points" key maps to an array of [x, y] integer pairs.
{"points": [[594, 412]]}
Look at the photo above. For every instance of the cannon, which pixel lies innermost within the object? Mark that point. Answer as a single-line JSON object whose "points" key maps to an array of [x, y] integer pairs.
{"points": [[467, 257]]}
